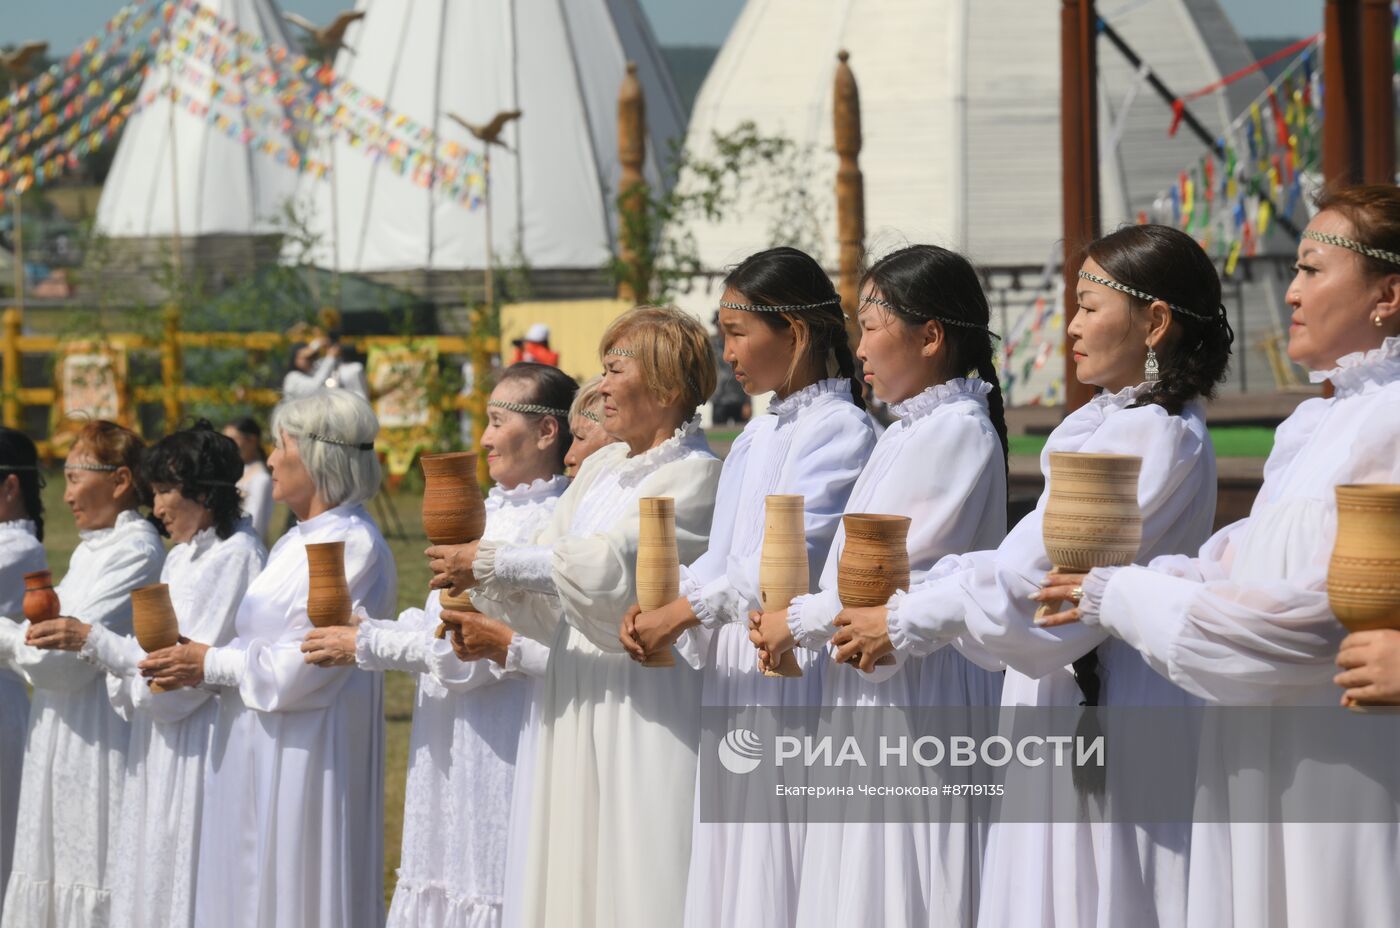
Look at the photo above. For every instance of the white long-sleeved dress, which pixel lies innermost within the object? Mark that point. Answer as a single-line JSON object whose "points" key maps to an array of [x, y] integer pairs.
{"points": [[814, 443], [21, 552], [609, 840], [256, 488], [1246, 622], [75, 755], [462, 754], [942, 465], [293, 825], [156, 839], [1073, 874]]}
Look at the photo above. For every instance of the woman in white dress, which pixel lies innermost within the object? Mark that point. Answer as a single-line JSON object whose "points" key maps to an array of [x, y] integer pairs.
{"points": [[192, 475], [924, 324], [293, 826], [609, 840], [784, 333], [75, 755], [1247, 622], [468, 715], [1149, 298], [256, 482], [21, 552]]}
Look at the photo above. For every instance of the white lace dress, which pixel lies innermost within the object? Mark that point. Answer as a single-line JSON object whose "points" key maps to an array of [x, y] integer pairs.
{"points": [[1247, 622], [467, 725], [293, 825], [156, 843], [942, 465], [75, 755], [609, 839], [814, 443], [1068, 874], [20, 553]]}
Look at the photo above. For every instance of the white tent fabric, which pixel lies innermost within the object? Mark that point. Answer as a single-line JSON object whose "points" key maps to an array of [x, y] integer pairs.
{"points": [[552, 192], [222, 185], [960, 113]]}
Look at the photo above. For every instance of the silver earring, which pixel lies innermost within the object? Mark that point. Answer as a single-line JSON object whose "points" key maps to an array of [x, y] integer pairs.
{"points": [[1150, 370]]}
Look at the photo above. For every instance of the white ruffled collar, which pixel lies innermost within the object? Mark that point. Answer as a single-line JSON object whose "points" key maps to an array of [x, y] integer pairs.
{"points": [[532, 492], [794, 402], [327, 519], [100, 536], [1360, 369], [685, 440], [1123, 398], [19, 527], [971, 388]]}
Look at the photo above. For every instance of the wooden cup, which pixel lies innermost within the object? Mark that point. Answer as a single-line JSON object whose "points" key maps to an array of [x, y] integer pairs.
{"points": [[1092, 518], [40, 599], [658, 563], [153, 620], [1363, 577], [328, 595], [874, 561], [782, 565], [454, 512]]}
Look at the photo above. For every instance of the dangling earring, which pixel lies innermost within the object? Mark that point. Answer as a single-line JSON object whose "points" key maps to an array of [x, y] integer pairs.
{"points": [[1377, 320], [1150, 370]]}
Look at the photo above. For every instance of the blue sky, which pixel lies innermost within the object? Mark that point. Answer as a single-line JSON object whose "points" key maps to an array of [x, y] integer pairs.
{"points": [[65, 23]]}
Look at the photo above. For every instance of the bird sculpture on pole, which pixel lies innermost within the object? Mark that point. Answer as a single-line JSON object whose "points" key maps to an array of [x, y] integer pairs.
{"points": [[330, 38], [19, 63]]}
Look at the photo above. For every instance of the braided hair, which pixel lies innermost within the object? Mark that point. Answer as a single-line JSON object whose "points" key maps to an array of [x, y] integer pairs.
{"points": [[19, 457], [205, 466]]}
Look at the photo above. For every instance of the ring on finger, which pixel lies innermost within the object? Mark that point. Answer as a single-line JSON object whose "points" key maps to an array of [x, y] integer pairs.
{"points": [[1076, 594]]}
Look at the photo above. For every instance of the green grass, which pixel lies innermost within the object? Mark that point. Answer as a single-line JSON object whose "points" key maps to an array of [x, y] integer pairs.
{"points": [[1234, 441], [61, 537]]}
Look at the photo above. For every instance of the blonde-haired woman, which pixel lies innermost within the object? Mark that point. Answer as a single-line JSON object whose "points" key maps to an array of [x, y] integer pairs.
{"points": [[609, 841]]}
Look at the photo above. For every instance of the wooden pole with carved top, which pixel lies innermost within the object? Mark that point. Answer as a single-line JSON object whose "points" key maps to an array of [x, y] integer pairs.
{"points": [[850, 189], [633, 285]]}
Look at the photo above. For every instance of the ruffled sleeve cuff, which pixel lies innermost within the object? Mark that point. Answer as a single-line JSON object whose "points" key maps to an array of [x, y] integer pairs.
{"points": [[117, 654], [380, 646], [898, 628], [526, 656], [224, 666], [1095, 585], [812, 618], [715, 603], [499, 568]]}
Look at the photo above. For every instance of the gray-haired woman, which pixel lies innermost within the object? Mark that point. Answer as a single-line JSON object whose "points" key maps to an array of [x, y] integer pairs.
{"points": [[293, 817]]}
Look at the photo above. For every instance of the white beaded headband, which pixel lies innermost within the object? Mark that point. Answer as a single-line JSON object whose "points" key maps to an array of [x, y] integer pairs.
{"points": [[1327, 238], [101, 468], [1145, 297], [946, 321], [794, 308], [629, 353], [529, 408], [592, 416], [358, 445]]}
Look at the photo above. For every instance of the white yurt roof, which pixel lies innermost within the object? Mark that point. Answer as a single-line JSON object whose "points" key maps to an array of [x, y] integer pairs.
{"points": [[222, 184], [960, 113], [552, 192]]}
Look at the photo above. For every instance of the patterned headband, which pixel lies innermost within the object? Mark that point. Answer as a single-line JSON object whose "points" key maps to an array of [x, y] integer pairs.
{"points": [[358, 445], [946, 321], [622, 352], [592, 416], [1327, 238], [794, 308], [1147, 297], [101, 468], [529, 408], [25, 467]]}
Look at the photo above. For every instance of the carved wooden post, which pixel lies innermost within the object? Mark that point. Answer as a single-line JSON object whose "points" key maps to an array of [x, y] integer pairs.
{"points": [[1375, 35], [1341, 152], [1079, 141], [850, 189], [10, 357], [171, 368], [635, 283]]}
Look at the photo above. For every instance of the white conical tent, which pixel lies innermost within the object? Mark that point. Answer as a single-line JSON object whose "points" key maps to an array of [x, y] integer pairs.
{"points": [[223, 185], [960, 113], [562, 64]]}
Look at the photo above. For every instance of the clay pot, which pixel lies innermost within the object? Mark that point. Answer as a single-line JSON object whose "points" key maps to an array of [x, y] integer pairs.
{"points": [[153, 618], [1092, 518], [328, 595], [1363, 578], [40, 599], [875, 560], [658, 562], [453, 511], [782, 566]]}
